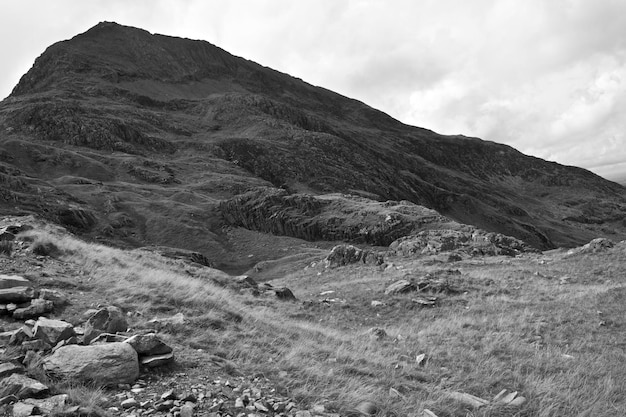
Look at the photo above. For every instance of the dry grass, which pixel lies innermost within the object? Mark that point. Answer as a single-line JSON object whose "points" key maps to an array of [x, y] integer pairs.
{"points": [[515, 325]]}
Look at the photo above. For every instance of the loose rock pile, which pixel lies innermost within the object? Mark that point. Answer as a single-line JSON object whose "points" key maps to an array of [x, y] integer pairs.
{"points": [[100, 352]]}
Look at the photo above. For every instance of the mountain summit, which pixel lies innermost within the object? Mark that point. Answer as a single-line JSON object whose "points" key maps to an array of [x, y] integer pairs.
{"points": [[142, 139]]}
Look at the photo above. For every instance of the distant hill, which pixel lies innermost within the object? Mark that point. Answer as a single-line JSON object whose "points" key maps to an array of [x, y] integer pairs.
{"points": [[140, 139]]}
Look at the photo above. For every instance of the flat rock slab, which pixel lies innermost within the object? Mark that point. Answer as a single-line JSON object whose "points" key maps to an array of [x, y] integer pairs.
{"points": [[148, 344], [107, 364], [11, 281], [21, 386], [16, 294]]}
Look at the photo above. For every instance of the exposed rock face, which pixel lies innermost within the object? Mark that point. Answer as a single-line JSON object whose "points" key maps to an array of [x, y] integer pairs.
{"points": [[474, 242], [329, 217], [108, 364]]}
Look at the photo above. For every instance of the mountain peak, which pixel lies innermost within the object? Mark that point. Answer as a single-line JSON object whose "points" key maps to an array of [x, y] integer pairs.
{"points": [[113, 53]]}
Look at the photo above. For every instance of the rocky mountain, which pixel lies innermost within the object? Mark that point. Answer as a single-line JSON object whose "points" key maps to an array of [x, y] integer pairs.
{"points": [[141, 139]]}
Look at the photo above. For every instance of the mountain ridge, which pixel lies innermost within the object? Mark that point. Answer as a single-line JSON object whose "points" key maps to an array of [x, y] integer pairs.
{"points": [[158, 128]]}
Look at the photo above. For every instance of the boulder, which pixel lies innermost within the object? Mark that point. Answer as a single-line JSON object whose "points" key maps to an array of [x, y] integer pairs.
{"points": [[11, 281], [36, 308], [21, 386], [105, 320], [148, 345], [399, 287], [107, 364], [16, 294], [52, 331], [24, 410]]}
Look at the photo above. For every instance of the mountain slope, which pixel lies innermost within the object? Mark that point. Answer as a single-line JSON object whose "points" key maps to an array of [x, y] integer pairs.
{"points": [[141, 138]]}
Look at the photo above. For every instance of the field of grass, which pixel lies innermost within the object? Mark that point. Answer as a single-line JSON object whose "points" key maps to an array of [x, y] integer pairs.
{"points": [[550, 326]]}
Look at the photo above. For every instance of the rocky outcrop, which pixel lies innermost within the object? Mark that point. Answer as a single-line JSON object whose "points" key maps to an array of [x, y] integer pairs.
{"points": [[342, 255], [107, 364], [595, 246], [333, 217], [473, 242]]}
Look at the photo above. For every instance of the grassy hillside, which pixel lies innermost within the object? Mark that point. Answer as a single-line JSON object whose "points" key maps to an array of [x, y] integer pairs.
{"points": [[549, 326]]}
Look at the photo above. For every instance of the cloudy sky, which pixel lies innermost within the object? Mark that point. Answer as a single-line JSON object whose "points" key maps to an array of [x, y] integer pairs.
{"points": [[545, 76]]}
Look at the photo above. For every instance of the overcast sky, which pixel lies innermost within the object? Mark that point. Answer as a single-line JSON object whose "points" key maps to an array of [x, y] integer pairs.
{"points": [[547, 77]]}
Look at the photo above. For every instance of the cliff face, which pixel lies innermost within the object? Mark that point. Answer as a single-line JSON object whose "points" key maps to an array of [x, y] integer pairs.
{"points": [[155, 137]]}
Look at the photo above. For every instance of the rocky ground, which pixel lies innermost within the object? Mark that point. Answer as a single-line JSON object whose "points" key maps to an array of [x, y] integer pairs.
{"points": [[441, 324]]}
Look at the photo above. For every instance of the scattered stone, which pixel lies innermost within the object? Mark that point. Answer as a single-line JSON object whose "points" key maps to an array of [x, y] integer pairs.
{"points": [[376, 333], [21, 386], [36, 345], [169, 323], [425, 301], [157, 360], [284, 293], [108, 338], [376, 303], [57, 297], [187, 410], [467, 399], [108, 364], [105, 320], [148, 345], [21, 335], [419, 359], [5, 337], [366, 408], [52, 331], [36, 308], [8, 399], [400, 287], [16, 294], [11, 307], [517, 402], [427, 413], [12, 281], [23, 410], [48, 405], [169, 395], [129, 403], [9, 368]]}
